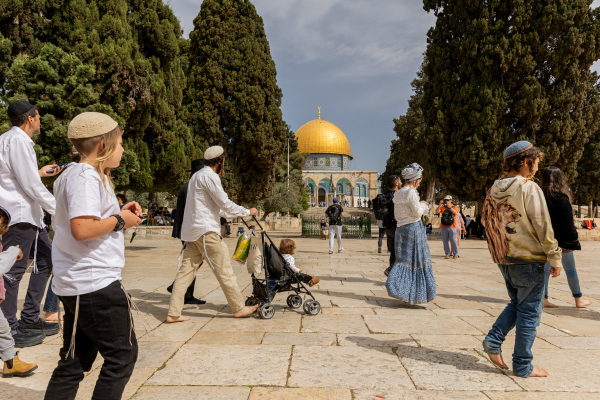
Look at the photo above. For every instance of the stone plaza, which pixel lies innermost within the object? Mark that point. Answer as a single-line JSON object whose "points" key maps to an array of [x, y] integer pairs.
{"points": [[363, 346]]}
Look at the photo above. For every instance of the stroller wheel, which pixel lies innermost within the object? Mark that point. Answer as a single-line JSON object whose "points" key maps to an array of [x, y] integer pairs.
{"points": [[266, 311], [312, 307], [251, 301], [294, 301]]}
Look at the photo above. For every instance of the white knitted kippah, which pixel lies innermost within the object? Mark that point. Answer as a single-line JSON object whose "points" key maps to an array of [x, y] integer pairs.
{"points": [[213, 152], [90, 124]]}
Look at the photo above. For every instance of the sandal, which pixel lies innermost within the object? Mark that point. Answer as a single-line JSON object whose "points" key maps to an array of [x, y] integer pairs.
{"points": [[456, 256]]}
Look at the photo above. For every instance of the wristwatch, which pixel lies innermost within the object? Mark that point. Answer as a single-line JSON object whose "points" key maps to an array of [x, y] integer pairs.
{"points": [[120, 222]]}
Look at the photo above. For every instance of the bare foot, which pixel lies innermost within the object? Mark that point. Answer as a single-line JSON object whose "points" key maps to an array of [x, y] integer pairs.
{"points": [[245, 311], [547, 304], [538, 372], [177, 319], [580, 303], [53, 317], [497, 360]]}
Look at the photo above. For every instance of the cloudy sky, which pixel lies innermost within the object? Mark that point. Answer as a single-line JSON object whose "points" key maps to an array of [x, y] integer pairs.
{"points": [[354, 58]]}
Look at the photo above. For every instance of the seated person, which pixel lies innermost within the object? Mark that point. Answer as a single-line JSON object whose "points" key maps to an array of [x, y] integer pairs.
{"points": [[286, 248], [428, 228]]}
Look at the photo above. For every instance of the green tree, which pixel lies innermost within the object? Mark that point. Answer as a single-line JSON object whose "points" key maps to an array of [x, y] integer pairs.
{"points": [[410, 145], [500, 71], [232, 98], [133, 48], [586, 188]]}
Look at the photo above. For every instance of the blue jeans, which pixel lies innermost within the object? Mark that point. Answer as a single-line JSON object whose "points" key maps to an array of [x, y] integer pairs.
{"points": [[568, 263], [449, 234], [51, 304], [525, 285]]}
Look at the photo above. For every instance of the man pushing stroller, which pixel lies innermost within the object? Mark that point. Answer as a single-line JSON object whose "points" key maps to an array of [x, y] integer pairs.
{"points": [[201, 230]]}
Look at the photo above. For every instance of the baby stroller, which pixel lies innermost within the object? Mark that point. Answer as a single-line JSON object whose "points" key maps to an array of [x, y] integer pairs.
{"points": [[279, 277]]}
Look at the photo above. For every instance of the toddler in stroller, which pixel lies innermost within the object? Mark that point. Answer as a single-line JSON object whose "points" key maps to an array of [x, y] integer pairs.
{"points": [[286, 248], [279, 277]]}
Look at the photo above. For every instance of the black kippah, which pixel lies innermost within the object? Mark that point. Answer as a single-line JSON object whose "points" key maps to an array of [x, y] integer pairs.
{"points": [[19, 107]]}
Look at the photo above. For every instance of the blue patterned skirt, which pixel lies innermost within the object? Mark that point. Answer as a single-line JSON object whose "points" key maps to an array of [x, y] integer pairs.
{"points": [[411, 278]]}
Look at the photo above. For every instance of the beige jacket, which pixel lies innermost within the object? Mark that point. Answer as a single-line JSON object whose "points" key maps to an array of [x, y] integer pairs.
{"points": [[517, 224]]}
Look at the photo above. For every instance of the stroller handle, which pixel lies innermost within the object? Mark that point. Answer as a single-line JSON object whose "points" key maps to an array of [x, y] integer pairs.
{"points": [[255, 220]]}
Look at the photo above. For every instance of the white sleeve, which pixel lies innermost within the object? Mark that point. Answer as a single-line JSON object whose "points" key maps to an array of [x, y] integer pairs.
{"points": [[28, 175], [83, 196], [416, 207], [228, 208], [7, 259], [292, 263]]}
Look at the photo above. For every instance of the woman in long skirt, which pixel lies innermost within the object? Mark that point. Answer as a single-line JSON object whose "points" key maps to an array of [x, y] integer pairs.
{"points": [[411, 278]]}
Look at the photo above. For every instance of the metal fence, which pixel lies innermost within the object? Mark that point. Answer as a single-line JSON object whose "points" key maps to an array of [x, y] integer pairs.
{"points": [[351, 228]]}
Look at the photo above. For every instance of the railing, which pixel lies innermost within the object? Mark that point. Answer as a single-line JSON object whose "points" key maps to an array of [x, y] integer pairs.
{"points": [[351, 228]]}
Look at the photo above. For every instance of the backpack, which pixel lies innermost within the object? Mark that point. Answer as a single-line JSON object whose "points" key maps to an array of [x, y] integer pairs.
{"points": [[447, 217], [333, 213], [383, 207]]}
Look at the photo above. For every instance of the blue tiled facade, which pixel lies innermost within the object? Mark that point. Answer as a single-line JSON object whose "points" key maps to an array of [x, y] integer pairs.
{"points": [[327, 162]]}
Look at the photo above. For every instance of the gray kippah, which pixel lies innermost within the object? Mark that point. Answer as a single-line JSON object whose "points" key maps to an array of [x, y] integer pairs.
{"points": [[517, 148]]}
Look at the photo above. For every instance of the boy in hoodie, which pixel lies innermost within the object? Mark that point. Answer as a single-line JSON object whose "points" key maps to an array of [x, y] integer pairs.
{"points": [[521, 240]]}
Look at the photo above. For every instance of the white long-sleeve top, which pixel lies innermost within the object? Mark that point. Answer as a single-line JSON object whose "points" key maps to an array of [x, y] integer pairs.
{"points": [[22, 192], [407, 206], [290, 260], [206, 202]]}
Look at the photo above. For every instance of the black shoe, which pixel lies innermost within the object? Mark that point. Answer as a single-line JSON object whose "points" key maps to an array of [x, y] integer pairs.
{"points": [[193, 300], [387, 271], [40, 326], [24, 338]]}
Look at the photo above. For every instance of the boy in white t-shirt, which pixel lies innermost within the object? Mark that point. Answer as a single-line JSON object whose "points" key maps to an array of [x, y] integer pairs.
{"points": [[88, 255]]}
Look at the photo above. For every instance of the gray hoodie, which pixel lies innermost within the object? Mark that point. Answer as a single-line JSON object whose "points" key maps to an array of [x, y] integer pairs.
{"points": [[517, 223]]}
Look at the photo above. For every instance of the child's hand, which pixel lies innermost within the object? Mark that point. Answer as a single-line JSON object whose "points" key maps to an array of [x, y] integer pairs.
{"points": [[134, 207], [20, 256], [130, 218]]}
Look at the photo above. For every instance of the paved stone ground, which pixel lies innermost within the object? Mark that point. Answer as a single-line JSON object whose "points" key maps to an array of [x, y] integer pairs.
{"points": [[364, 345]]}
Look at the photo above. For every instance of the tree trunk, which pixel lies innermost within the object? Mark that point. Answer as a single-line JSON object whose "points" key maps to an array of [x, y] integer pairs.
{"points": [[479, 209], [431, 197], [590, 209], [152, 199]]}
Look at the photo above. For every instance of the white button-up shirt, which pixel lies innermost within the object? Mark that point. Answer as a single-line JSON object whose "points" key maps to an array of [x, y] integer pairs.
{"points": [[205, 204], [22, 192]]}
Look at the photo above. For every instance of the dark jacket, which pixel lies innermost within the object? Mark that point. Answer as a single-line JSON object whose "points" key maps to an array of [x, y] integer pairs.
{"points": [[561, 215], [181, 198], [391, 223]]}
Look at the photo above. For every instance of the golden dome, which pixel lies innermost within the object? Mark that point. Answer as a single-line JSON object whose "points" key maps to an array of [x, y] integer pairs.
{"points": [[320, 136]]}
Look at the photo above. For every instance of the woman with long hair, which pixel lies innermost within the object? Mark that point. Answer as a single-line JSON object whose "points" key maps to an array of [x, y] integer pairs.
{"points": [[558, 198], [411, 277]]}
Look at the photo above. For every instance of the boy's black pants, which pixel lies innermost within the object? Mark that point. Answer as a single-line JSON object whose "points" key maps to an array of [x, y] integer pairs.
{"points": [[104, 325]]}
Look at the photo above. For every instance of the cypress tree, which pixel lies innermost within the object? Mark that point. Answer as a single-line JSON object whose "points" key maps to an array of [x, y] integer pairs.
{"points": [[232, 98], [410, 145], [586, 188], [133, 47], [500, 71]]}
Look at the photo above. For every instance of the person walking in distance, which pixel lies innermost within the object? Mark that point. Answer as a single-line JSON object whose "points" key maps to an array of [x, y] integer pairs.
{"points": [[448, 225], [391, 224], [521, 240], [381, 235], [201, 231], [335, 212], [558, 198], [88, 252], [24, 195]]}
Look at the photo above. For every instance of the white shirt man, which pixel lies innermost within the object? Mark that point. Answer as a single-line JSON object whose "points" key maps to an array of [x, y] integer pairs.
{"points": [[23, 194], [206, 203]]}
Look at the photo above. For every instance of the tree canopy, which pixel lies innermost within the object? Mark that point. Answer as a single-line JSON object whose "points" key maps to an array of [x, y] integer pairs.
{"points": [[500, 71], [232, 98]]}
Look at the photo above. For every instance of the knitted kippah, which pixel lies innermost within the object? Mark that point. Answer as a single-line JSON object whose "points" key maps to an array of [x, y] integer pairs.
{"points": [[90, 124], [517, 148], [213, 152]]}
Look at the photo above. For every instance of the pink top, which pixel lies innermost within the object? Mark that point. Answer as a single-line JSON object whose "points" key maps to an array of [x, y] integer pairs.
{"points": [[2, 289]]}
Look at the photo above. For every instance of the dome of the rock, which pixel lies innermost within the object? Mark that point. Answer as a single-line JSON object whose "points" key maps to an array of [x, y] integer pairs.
{"points": [[322, 137]]}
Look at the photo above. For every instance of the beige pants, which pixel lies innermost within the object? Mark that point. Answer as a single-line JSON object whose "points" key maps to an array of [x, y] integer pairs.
{"points": [[214, 251]]}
